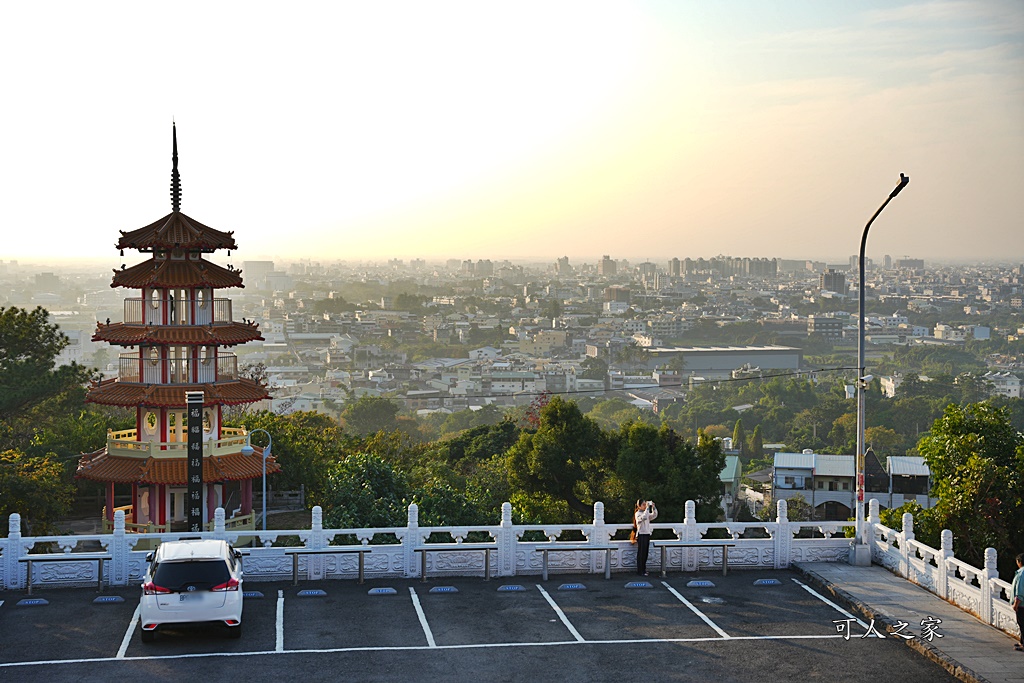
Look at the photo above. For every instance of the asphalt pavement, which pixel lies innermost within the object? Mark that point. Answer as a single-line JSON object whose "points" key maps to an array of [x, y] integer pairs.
{"points": [[749, 626]]}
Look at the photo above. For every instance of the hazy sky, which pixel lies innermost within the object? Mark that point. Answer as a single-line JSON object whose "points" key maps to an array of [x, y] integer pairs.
{"points": [[521, 130]]}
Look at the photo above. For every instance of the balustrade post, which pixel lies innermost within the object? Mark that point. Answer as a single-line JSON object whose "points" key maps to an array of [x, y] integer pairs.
{"points": [[119, 551], [219, 532], [873, 519], [945, 554], [691, 558], [598, 536], [905, 537], [318, 540], [989, 574], [409, 543], [783, 536], [506, 540], [12, 550]]}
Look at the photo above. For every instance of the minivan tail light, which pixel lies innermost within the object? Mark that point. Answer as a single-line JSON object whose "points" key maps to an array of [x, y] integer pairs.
{"points": [[231, 585], [150, 588]]}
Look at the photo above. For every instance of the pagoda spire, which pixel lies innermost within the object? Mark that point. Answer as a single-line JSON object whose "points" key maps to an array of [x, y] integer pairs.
{"points": [[175, 178]]}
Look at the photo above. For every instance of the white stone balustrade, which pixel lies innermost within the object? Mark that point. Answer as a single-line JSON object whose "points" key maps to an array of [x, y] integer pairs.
{"points": [[978, 591], [766, 545]]}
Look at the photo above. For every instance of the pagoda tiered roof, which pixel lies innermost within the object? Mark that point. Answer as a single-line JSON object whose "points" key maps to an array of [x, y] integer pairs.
{"points": [[102, 466], [176, 231], [175, 273], [112, 392], [222, 334]]}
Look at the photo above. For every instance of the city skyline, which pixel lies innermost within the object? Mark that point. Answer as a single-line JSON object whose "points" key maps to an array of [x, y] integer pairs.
{"points": [[522, 132]]}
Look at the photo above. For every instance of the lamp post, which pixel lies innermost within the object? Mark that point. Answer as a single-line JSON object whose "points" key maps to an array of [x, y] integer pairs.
{"points": [[247, 449], [861, 555]]}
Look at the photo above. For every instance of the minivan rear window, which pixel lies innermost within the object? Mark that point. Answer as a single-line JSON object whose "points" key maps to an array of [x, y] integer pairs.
{"points": [[203, 574]]}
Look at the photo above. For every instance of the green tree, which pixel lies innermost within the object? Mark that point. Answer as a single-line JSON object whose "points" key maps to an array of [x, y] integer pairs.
{"points": [[29, 345], [883, 441], [369, 415], [756, 448], [976, 459], [34, 487], [615, 412], [594, 368], [566, 457], [467, 419], [797, 510], [364, 490], [739, 439], [658, 464], [306, 445]]}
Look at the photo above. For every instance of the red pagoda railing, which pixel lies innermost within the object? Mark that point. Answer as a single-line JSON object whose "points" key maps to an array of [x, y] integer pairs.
{"points": [[139, 311], [220, 368]]}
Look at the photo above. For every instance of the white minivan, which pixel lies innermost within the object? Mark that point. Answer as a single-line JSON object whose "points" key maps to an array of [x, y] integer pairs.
{"points": [[191, 582]]}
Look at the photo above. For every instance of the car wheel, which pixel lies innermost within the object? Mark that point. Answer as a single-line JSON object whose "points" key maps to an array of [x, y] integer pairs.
{"points": [[148, 636], [235, 631]]}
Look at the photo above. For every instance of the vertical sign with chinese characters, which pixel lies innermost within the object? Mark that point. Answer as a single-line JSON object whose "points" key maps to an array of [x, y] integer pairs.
{"points": [[194, 424]]}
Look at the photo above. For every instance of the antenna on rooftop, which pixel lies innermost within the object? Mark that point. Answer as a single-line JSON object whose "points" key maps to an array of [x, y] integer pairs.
{"points": [[175, 178]]}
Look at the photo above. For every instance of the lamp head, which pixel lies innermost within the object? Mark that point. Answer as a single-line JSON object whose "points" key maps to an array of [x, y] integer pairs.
{"points": [[904, 179], [247, 449]]}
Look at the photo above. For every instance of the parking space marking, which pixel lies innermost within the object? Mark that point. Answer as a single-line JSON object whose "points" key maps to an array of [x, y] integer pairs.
{"points": [[695, 610], [561, 615], [128, 634], [829, 603], [423, 617], [403, 648], [279, 628]]}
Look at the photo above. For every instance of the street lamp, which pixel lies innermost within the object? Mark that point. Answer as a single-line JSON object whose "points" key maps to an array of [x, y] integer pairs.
{"points": [[247, 449], [861, 553]]}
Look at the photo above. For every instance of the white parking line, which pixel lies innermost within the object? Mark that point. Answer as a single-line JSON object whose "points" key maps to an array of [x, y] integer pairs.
{"points": [[830, 603], [279, 637], [423, 618], [561, 615], [128, 634], [695, 610], [407, 648]]}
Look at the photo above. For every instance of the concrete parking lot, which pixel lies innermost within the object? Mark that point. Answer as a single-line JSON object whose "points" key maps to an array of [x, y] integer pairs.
{"points": [[570, 628]]}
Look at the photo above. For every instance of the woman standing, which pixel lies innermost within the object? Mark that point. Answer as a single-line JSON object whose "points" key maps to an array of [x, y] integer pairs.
{"points": [[645, 512]]}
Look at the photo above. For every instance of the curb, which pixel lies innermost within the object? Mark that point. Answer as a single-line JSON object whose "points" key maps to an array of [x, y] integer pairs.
{"points": [[954, 667]]}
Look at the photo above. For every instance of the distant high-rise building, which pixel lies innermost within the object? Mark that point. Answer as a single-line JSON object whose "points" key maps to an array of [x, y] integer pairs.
{"points": [[829, 328], [887, 262], [910, 263], [562, 267], [606, 267], [256, 273], [646, 269], [675, 267], [484, 268], [620, 294], [833, 281]]}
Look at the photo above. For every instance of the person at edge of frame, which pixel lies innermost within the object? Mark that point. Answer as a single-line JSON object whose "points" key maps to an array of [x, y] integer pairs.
{"points": [[1017, 597]]}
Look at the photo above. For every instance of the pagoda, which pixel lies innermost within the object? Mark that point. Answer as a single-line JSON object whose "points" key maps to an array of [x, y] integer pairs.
{"points": [[180, 330]]}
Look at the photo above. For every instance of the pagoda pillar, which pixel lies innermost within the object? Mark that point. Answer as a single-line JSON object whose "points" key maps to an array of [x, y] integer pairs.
{"points": [[110, 501], [164, 503], [154, 503], [211, 500], [246, 489]]}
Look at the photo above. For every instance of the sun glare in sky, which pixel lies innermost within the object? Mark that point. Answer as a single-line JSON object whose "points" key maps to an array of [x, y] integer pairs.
{"points": [[523, 130]]}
